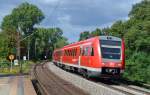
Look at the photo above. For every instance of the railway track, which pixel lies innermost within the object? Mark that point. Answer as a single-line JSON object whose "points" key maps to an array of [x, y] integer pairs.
{"points": [[50, 84], [123, 87], [129, 90], [135, 89]]}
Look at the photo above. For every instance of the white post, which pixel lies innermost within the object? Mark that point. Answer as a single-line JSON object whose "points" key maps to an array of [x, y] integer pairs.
{"points": [[11, 67]]}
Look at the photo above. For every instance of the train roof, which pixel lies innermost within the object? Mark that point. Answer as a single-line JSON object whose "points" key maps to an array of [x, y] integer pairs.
{"points": [[89, 40]]}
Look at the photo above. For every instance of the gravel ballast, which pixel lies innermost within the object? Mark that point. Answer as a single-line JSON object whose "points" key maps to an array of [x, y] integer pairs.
{"points": [[86, 85]]}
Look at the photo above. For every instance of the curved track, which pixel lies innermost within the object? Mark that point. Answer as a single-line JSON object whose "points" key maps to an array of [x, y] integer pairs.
{"points": [[121, 86], [126, 89], [52, 84]]}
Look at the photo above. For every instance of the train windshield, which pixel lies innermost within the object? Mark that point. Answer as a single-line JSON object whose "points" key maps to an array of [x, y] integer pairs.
{"points": [[110, 49]]}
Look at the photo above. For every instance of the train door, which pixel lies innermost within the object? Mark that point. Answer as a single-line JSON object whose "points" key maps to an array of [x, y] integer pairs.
{"points": [[80, 54], [85, 56]]}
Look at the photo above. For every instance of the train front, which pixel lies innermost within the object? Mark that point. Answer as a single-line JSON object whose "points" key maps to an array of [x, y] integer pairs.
{"points": [[112, 56]]}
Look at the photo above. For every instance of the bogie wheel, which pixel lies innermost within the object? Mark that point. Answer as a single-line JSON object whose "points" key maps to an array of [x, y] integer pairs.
{"points": [[85, 74]]}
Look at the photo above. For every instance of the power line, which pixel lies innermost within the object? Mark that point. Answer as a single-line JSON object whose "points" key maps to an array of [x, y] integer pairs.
{"points": [[55, 8], [50, 16]]}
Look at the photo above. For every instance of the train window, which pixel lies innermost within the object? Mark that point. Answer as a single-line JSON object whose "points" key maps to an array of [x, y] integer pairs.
{"points": [[66, 52], [92, 51], [69, 52], [59, 53], [110, 42], [62, 53], [73, 52], [76, 52], [86, 51], [82, 52]]}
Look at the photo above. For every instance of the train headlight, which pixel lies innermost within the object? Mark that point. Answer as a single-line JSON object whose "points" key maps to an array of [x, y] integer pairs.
{"points": [[119, 65], [103, 63]]}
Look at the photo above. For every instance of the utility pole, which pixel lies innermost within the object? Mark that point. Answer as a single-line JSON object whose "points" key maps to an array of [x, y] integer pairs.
{"points": [[28, 49], [35, 48], [28, 45], [18, 47]]}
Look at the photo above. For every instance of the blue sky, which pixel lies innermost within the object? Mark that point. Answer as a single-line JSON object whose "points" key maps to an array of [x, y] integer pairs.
{"points": [[75, 16]]}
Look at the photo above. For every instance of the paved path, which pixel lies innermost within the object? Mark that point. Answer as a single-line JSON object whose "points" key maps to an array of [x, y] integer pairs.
{"points": [[16, 85]]}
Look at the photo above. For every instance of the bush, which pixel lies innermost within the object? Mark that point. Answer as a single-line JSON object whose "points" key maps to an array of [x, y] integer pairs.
{"points": [[138, 68]]}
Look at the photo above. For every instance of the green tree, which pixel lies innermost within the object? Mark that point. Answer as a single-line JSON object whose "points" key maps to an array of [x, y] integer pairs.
{"points": [[141, 11], [136, 32], [45, 40], [24, 16], [20, 23], [84, 35], [118, 29], [96, 32]]}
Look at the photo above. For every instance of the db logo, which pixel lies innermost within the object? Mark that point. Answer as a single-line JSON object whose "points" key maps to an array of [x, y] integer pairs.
{"points": [[111, 64]]}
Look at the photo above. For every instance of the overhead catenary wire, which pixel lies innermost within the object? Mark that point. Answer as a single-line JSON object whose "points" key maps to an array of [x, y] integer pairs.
{"points": [[50, 16]]}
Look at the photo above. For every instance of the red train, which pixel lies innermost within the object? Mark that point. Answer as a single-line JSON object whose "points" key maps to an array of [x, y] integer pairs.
{"points": [[101, 56]]}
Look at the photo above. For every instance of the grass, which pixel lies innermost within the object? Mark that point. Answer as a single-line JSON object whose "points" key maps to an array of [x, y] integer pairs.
{"points": [[26, 66]]}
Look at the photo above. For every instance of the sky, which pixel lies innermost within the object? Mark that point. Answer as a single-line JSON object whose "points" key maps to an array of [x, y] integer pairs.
{"points": [[75, 16]]}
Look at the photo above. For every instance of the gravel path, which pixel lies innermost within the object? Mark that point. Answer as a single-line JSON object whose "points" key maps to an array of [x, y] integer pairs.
{"points": [[88, 86], [55, 85]]}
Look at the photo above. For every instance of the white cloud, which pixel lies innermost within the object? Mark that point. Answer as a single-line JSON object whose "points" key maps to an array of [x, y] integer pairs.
{"points": [[64, 19], [75, 16], [48, 1], [73, 31]]}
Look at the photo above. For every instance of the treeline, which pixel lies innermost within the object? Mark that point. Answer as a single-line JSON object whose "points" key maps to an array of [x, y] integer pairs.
{"points": [[18, 31], [136, 33]]}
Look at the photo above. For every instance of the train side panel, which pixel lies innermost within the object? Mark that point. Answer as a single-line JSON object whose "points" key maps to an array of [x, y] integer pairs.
{"points": [[94, 57]]}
